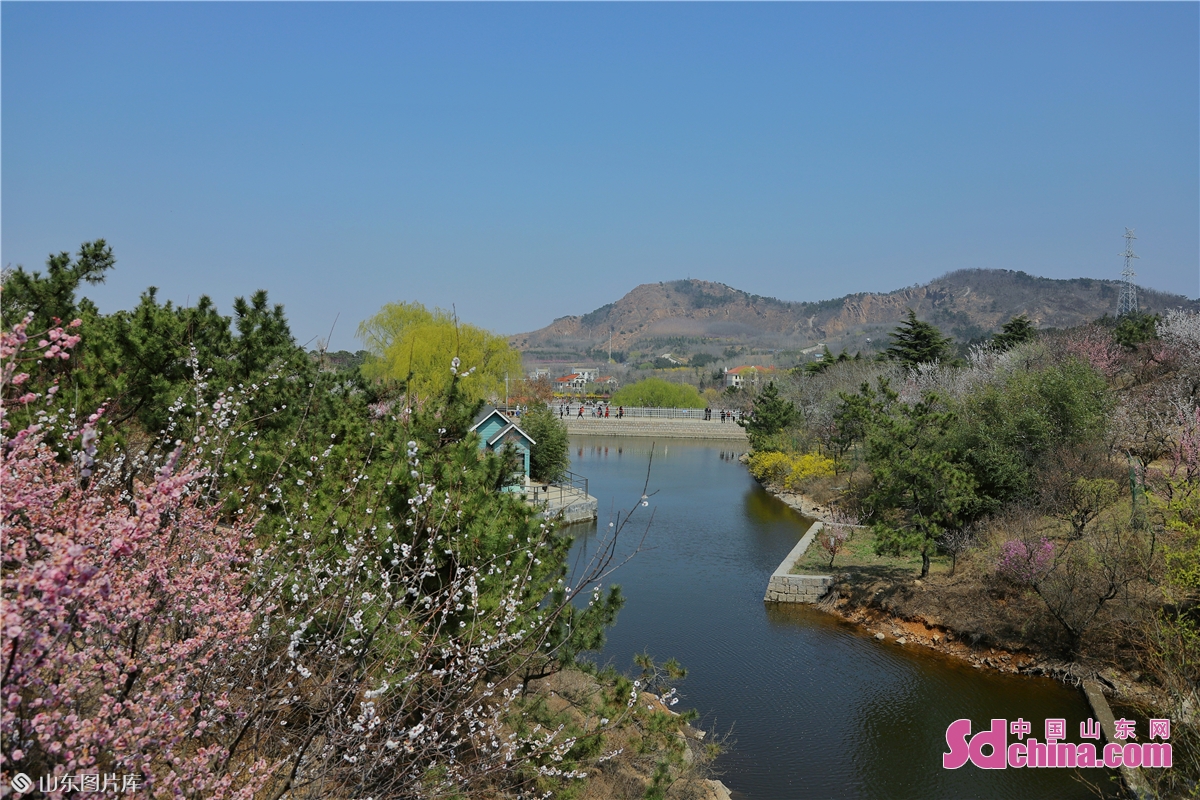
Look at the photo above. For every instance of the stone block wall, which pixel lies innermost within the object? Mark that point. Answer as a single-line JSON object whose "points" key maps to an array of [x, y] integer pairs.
{"points": [[797, 588], [784, 587]]}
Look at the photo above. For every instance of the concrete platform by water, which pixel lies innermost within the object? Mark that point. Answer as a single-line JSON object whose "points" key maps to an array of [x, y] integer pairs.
{"points": [[571, 504]]}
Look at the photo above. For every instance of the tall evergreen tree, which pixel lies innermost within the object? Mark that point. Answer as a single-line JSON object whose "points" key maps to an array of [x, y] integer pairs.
{"points": [[916, 342], [1017, 330], [1136, 328], [771, 415], [53, 296], [919, 487]]}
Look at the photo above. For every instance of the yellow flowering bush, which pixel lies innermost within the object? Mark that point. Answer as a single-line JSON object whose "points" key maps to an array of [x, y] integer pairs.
{"points": [[770, 466], [789, 471], [809, 465]]}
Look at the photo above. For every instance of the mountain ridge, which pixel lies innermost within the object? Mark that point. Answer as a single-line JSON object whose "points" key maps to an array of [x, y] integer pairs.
{"points": [[966, 303]]}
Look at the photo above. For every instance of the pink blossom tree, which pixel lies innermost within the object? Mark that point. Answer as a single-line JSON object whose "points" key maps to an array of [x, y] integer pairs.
{"points": [[352, 646], [121, 614], [1095, 346]]}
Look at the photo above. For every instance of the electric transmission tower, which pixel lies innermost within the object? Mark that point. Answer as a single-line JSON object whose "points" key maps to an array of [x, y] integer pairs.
{"points": [[1127, 303]]}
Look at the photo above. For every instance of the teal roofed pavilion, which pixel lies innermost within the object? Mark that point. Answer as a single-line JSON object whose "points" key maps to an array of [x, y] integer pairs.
{"points": [[495, 430]]}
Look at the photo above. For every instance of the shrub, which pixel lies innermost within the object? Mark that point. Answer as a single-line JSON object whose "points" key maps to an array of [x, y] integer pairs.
{"points": [[549, 459], [809, 465], [770, 466], [1025, 562], [789, 471]]}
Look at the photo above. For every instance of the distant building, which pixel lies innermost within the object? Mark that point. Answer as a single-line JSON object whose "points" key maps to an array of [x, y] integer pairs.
{"points": [[496, 430], [539, 373], [671, 358], [570, 383], [587, 375], [748, 375]]}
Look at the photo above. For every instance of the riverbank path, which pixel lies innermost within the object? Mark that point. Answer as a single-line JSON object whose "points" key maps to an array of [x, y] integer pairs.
{"points": [[656, 428]]}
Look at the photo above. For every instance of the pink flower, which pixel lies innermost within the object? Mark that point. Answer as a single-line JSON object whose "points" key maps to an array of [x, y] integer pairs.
{"points": [[1025, 562]]}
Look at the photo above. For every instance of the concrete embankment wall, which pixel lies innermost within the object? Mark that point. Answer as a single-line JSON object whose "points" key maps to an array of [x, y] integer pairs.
{"points": [[657, 428], [1135, 781], [784, 587], [581, 510], [570, 504]]}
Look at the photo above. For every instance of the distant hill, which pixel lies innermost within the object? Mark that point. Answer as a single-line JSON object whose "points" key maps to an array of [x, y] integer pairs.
{"points": [[966, 304]]}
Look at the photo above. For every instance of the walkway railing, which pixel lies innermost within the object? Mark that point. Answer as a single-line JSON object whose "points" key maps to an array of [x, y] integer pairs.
{"points": [[631, 412], [570, 489], [635, 412]]}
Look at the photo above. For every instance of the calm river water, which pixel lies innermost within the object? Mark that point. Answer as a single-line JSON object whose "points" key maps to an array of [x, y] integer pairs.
{"points": [[814, 707]]}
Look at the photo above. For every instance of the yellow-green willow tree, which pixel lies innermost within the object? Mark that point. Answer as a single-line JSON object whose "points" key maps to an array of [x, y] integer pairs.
{"points": [[408, 342]]}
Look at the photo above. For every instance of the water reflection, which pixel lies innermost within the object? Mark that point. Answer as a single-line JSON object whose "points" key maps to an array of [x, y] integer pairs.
{"points": [[764, 509], [816, 707]]}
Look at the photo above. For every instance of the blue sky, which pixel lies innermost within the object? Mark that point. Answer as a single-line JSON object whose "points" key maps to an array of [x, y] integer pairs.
{"points": [[526, 161]]}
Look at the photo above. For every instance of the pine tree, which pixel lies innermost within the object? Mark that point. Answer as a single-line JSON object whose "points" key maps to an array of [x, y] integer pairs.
{"points": [[919, 487], [53, 296], [1017, 330], [916, 342], [771, 415]]}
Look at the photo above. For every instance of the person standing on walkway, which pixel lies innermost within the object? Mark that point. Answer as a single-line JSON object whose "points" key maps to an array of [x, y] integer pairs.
{"points": [[581, 410], [620, 412], [606, 411]]}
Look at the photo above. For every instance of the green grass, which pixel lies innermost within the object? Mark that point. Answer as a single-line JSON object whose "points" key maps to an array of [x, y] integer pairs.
{"points": [[858, 555]]}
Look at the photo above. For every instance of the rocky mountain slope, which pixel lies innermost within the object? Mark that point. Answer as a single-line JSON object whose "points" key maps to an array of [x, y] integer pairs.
{"points": [[966, 304]]}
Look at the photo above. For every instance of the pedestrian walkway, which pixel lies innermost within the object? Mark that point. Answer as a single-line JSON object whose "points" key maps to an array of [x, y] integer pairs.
{"points": [[657, 428]]}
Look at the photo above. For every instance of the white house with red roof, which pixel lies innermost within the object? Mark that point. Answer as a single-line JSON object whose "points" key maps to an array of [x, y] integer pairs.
{"points": [[748, 375]]}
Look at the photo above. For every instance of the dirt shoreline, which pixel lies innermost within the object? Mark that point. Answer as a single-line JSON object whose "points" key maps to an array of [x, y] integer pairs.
{"points": [[862, 606]]}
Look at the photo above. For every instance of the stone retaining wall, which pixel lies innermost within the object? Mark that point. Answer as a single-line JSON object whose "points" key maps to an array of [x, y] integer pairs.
{"points": [[658, 428], [784, 587]]}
